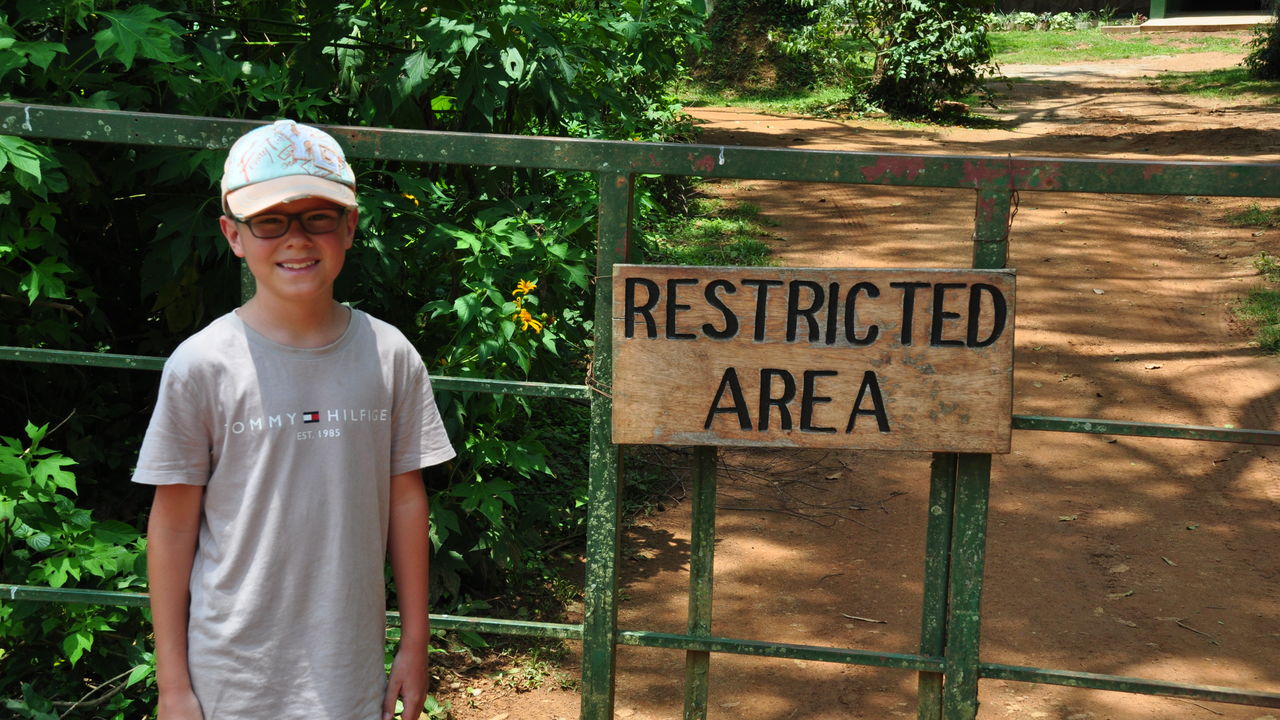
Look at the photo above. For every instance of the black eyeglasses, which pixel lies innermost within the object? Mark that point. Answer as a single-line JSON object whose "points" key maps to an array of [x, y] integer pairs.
{"points": [[274, 225]]}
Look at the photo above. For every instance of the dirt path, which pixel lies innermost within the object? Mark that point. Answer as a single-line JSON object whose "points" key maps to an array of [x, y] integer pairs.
{"points": [[1150, 558]]}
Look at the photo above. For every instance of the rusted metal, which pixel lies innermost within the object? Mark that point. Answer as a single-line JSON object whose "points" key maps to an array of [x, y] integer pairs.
{"points": [[991, 173]]}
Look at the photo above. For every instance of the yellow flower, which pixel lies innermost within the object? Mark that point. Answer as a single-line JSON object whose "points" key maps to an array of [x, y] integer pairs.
{"points": [[527, 321], [411, 197], [524, 287]]}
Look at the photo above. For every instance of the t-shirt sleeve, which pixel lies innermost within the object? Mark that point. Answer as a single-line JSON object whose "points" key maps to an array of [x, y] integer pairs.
{"points": [[177, 447], [418, 438]]}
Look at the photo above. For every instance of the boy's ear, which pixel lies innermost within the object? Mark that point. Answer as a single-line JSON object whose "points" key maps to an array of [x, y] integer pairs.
{"points": [[353, 220], [231, 231]]}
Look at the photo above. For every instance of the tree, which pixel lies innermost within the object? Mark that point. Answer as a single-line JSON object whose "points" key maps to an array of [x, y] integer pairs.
{"points": [[925, 51]]}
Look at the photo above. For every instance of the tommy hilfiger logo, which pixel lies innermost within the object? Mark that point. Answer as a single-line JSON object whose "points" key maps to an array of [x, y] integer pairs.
{"points": [[335, 416]]}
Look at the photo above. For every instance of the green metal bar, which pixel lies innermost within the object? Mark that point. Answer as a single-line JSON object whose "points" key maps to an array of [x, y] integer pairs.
{"points": [[991, 228], [581, 392], [602, 156], [933, 620], [964, 599], [1145, 429], [1118, 683], [528, 628], [70, 357], [604, 486], [512, 387], [73, 596], [494, 626], [702, 541], [789, 651], [143, 362]]}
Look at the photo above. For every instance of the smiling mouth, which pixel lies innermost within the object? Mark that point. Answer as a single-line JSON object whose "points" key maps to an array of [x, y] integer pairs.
{"points": [[298, 265]]}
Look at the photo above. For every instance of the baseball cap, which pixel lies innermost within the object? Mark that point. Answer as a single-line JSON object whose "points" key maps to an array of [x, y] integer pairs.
{"points": [[281, 162]]}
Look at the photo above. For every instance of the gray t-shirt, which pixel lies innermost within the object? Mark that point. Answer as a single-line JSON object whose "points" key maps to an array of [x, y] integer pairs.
{"points": [[295, 448]]}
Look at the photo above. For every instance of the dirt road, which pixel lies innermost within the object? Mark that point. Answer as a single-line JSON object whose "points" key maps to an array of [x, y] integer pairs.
{"points": [[1149, 558]]}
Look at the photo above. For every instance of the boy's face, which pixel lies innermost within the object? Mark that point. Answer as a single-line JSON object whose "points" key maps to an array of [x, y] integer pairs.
{"points": [[298, 265]]}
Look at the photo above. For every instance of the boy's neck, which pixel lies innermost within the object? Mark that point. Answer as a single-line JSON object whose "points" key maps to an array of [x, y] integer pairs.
{"points": [[300, 325]]}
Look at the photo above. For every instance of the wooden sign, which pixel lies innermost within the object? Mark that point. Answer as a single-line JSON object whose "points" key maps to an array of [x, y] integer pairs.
{"points": [[813, 357]]}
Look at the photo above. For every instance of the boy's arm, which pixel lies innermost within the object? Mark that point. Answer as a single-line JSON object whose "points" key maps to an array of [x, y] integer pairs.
{"points": [[171, 545], [407, 542]]}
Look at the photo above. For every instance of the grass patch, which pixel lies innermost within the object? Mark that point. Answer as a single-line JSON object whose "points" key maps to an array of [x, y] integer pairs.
{"points": [[770, 100], [1255, 216], [1053, 47], [1261, 307], [1226, 83], [713, 233]]}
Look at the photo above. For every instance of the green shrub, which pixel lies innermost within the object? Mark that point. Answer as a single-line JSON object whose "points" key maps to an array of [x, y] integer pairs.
{"points": [[922, 53], [62, 651], [1263, 60], [115, 248]]}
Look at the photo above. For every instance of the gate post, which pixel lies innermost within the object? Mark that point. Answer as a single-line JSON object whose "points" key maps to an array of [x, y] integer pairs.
{"points": [[933, 621], [969, 478], [604, 487], [702, 544], [964, 596]]}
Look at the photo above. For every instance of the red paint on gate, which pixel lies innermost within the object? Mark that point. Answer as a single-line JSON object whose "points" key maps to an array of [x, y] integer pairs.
{"points": [[986, 208], [896, 167], [705, 164], [980, 173]]}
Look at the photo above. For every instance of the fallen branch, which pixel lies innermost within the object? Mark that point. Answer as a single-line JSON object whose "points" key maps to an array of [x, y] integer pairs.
{"points": [[1212, 639], [870, 620]]}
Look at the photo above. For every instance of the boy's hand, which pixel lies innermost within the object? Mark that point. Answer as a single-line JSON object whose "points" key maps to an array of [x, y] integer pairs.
{"points": [[408, 683], [178, 705]]}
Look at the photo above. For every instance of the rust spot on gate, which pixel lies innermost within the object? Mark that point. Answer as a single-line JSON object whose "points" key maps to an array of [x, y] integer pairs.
{"points": [[982, 173], [1151, 171], [704, 164], [894, 167]]}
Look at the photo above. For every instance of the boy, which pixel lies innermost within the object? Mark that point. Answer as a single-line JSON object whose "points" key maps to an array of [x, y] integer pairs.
{"points": [[286, 446]]}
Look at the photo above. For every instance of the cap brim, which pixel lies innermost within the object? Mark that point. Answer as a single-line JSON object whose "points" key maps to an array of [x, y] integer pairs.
{"points": [[253, 199]]}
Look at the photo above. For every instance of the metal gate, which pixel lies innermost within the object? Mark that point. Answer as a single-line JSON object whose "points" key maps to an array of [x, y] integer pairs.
{"points": [[948, 662]]}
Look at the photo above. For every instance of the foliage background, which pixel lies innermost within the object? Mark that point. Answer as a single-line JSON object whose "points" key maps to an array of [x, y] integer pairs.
{"points": [[904, 57], [116, 249]]}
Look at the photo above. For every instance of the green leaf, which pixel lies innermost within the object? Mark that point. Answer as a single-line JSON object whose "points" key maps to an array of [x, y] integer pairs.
{"points": [[139, 673], [23, 155], [36, 434], [43, 280], [115, 532], [43, 214], [417, 69], [49, 470], [465, 308], [135, 32], [75, 644], [512, 62], [41, 54], [40, 542]]}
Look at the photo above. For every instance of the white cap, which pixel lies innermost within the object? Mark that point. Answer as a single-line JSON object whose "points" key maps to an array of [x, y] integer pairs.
{"points": [[282, 162]]}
